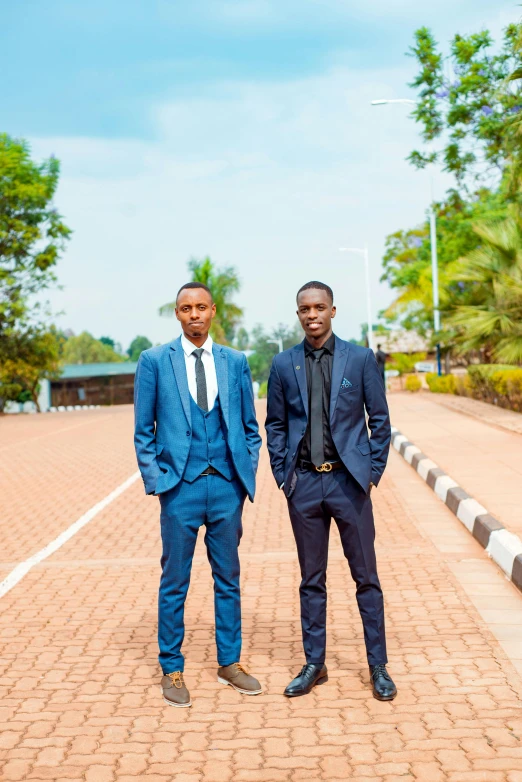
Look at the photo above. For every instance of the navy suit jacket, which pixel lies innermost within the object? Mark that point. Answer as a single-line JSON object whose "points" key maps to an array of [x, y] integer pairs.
{"points": [[163, 428], [356, 385]]}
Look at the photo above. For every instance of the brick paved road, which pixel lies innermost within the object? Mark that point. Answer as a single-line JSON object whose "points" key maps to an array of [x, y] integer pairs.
{"points": [[78, 671]]}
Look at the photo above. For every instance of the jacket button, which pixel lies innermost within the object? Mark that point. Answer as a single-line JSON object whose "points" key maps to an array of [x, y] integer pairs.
{"points": [[210, 441], [188, 434]]}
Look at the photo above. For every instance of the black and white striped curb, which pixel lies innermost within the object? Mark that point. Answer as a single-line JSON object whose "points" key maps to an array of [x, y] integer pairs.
{"points": [[504, 547]]}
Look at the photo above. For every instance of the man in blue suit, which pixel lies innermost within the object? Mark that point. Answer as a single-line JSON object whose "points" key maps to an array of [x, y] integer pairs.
{"points": [[322, 458], [197, 443]]}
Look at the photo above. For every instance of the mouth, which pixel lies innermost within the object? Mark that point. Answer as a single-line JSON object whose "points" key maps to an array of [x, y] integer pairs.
{"points": [[314, 326]]}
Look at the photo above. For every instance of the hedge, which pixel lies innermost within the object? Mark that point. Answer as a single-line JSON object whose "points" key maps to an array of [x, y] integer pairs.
{"points": [[413, 383], [499, 384]]}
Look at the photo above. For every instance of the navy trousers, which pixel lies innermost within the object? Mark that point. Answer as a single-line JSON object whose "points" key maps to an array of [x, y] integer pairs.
{"points": [[316, 499], [218, 504]]}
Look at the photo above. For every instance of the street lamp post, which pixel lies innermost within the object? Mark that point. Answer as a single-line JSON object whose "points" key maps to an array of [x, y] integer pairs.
{"points": [[364, 252], [433, 241]]}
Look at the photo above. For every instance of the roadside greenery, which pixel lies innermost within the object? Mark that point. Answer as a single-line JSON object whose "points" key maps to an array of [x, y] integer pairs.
{"points": [[137, 346], [494, 383], [32, 238], [265, 346], [86, 349], [469, 109]]}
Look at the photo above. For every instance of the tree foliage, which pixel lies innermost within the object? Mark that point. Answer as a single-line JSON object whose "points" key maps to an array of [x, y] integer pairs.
{"points": [[264, 349], [490, 317], [32, 237], [467, 104], [32, 233], [137, 346], [30, 357], [223, 283], [407, 259], [86, 349]]}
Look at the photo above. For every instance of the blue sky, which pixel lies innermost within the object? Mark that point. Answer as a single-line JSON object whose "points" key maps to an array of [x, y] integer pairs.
{"points": [[240, 129]]}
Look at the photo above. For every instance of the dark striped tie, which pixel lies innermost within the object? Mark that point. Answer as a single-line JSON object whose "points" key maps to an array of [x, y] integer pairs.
{"points": [[201, 381], [316, 410]]}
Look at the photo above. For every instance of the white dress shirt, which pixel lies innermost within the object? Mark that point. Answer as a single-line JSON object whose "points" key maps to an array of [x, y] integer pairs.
{"points": [[207, 358]]}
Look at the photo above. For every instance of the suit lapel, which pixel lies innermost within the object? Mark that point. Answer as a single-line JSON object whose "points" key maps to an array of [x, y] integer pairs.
{"points": [[300, 373], [221, 363], [341, 352], [177, 357]]}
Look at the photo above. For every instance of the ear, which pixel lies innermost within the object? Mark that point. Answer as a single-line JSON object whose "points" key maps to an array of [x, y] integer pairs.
{"points": [[213, 310], [334, 312], [176, 311]]}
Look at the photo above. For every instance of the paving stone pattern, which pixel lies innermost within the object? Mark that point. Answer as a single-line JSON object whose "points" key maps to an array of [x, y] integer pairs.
{"points": [[79, 679]]}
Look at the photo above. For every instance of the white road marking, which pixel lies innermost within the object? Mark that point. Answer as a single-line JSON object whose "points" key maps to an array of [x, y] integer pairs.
{"points": [[23, 568]]}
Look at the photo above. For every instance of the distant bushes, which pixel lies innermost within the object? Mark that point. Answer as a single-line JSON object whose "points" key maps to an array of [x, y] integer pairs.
{"points": [[497, 384], [413, 383]]}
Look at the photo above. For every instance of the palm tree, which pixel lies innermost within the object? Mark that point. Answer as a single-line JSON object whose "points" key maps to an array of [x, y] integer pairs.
{"points": [[222, 283], [491, 319]]}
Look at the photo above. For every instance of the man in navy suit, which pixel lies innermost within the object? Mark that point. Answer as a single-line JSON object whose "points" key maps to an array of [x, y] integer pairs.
{"points": [[322, 458], [197, 444]]}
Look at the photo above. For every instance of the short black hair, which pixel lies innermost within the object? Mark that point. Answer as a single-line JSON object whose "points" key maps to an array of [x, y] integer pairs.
{"points": [[191, 285], [314, 284]]}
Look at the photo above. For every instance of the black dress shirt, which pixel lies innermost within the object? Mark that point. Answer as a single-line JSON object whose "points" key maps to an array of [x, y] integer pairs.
{"points": [[330, 451]]}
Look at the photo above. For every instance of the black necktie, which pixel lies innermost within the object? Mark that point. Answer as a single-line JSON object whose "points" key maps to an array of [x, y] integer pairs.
{"points": [[316, 410], [201, 381]]}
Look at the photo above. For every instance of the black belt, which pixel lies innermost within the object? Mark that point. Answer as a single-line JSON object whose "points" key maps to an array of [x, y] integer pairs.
{"points": [[325, 467], [210, 471]]}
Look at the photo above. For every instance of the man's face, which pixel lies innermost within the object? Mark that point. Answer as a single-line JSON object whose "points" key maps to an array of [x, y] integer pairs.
{"points": [[315, 312], [195, 310]]}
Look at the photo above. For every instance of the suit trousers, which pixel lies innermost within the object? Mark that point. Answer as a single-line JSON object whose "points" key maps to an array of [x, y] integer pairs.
{"points": [[217, 504], [316, 499]]}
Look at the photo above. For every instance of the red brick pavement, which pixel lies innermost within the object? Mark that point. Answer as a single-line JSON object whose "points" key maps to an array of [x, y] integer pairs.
{"points": [[78, 670]]}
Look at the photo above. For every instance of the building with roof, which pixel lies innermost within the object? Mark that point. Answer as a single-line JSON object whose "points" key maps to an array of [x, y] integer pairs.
{"points": [[82, 386], [93, 384]]}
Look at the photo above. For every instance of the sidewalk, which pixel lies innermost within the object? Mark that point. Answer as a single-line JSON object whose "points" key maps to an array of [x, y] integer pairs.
{"points": [[484, 459], [79, 695]]}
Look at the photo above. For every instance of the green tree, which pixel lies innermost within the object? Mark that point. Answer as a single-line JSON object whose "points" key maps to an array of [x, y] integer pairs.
{"points": [[85, 349], [407, 260], [223, 283], [468, 102], [137, 346], [108, 341], [264, 348], [242, 339], [490, 319], [32, 233], [31, 356]]}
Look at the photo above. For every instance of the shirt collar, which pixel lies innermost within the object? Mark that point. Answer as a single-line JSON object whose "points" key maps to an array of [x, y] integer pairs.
{"points": [[328, 347], [189, 347]]}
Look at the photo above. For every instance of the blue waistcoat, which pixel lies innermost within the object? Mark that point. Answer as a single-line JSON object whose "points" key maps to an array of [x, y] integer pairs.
{"points": [[208, 445]]}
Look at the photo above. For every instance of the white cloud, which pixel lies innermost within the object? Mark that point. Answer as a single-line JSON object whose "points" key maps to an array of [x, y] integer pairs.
{"points": [[269, 178]]}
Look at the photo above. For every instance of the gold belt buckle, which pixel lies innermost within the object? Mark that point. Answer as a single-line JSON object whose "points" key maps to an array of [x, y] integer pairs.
{"points": [[324, 467]]}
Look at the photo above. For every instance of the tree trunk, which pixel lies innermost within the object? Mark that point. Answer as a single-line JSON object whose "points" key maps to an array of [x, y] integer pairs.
{"points": [[447, 362], [34, 397]]}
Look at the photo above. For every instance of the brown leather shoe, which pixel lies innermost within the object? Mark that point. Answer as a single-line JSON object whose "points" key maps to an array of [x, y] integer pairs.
{"points": [[239, 679], [175, 691]]}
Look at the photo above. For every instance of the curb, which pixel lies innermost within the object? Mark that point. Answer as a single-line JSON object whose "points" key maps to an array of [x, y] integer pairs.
{"points": [[504, 547]]}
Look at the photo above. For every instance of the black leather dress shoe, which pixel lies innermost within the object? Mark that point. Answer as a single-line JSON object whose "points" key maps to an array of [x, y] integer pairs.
{"points": [[383, 687], [305, 681]]}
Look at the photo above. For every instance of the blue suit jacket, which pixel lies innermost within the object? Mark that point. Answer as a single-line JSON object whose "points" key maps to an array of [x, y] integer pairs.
{"points": [[163, 430], [356, 385]]}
